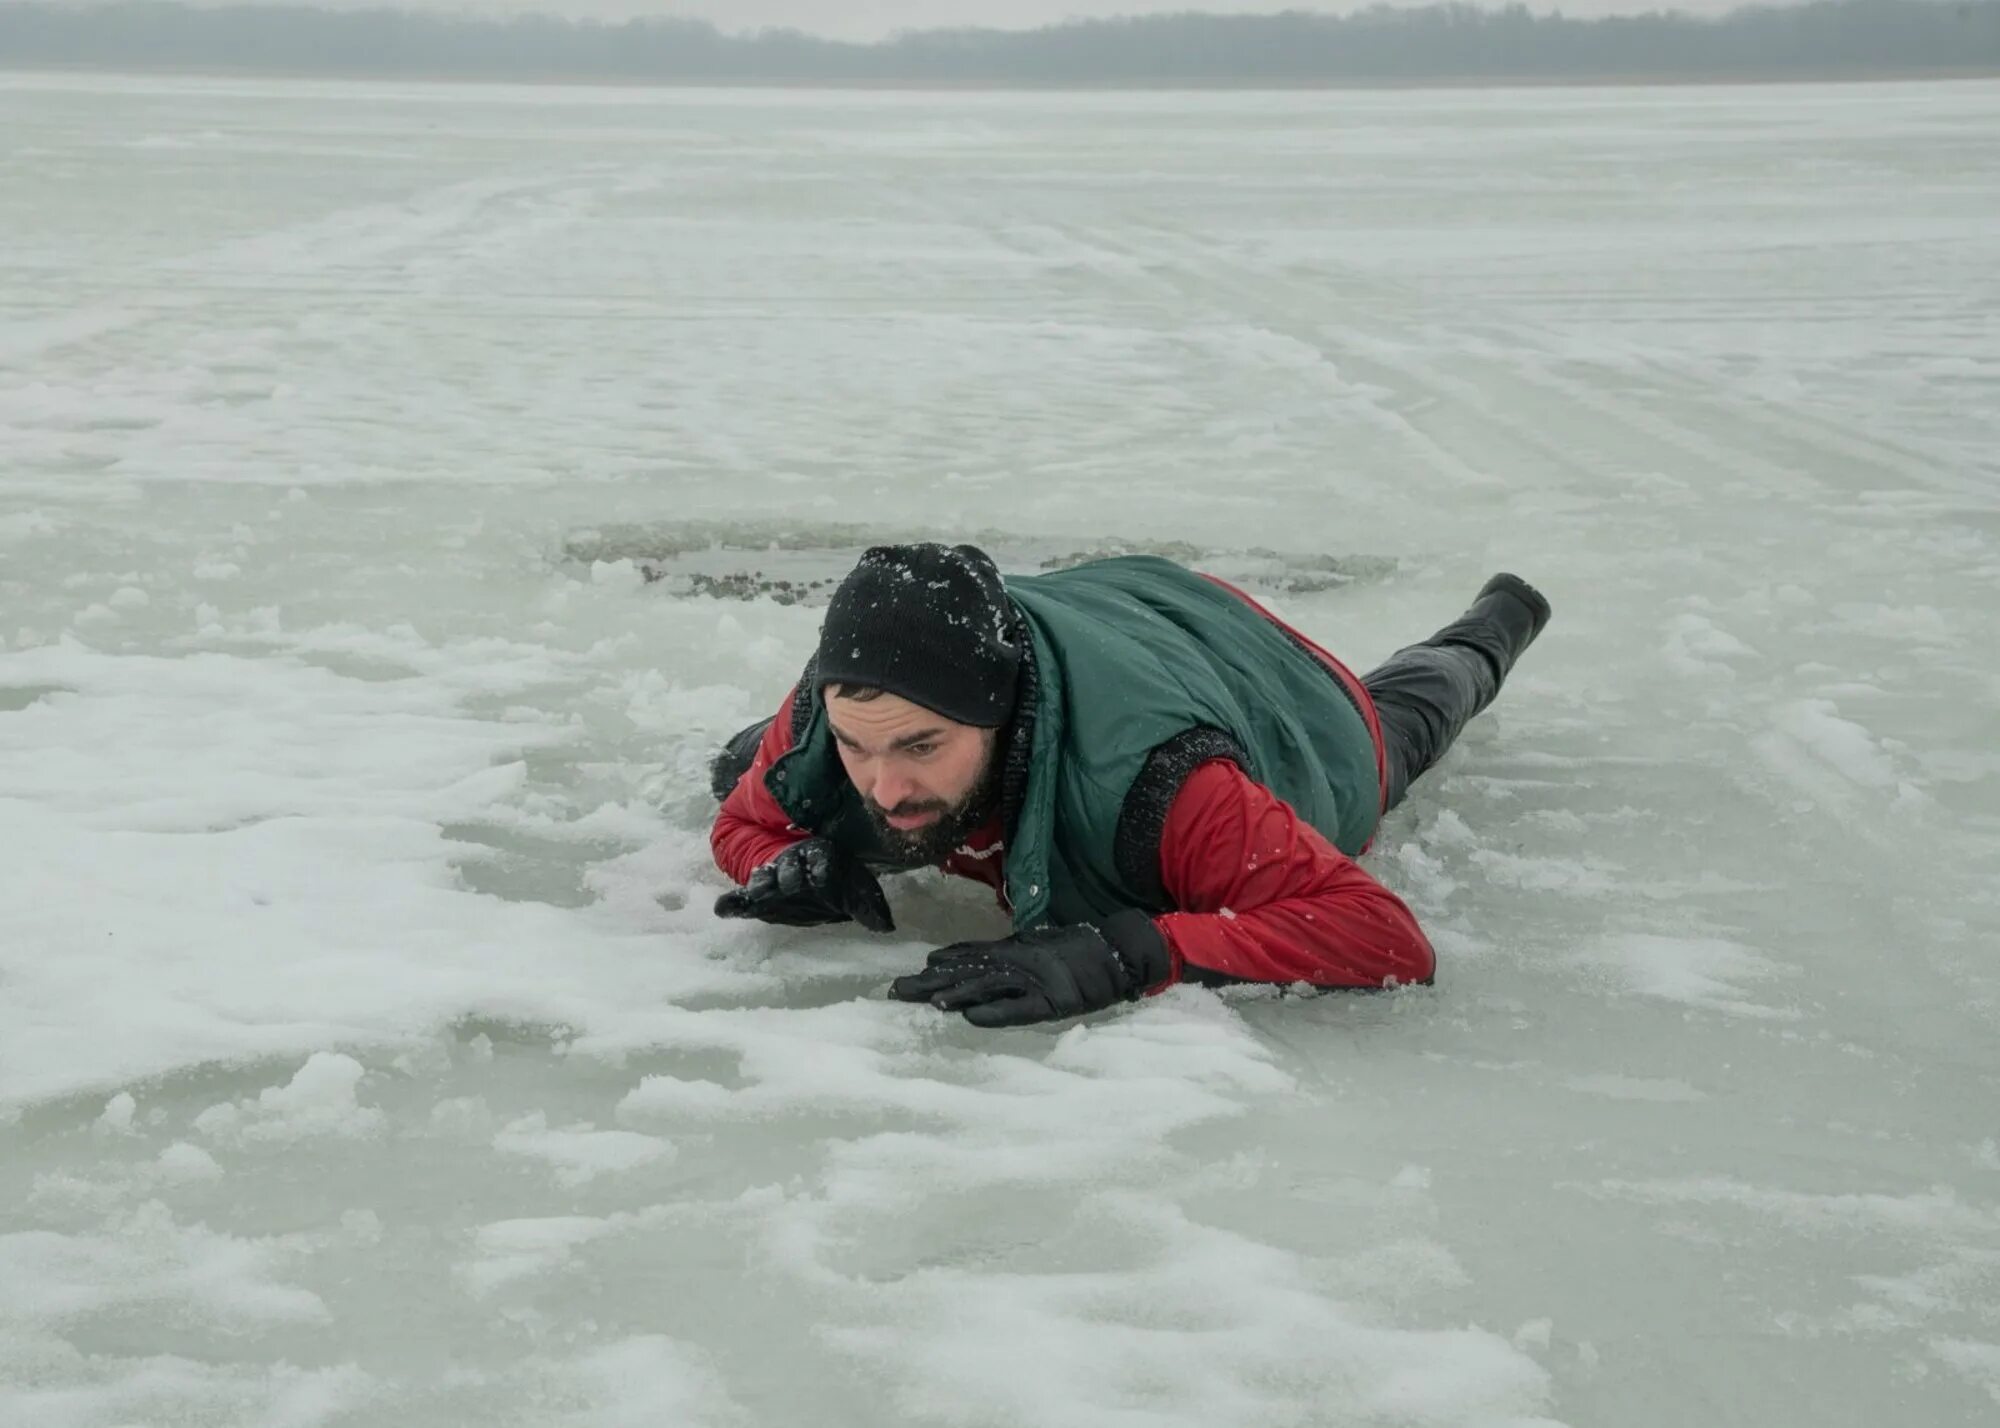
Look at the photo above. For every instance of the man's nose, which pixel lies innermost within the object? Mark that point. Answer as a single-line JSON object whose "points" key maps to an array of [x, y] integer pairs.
{"points": [[892, 788]]}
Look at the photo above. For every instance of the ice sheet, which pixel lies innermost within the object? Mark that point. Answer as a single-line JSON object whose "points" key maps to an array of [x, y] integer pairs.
{"points": [[395, 483]]}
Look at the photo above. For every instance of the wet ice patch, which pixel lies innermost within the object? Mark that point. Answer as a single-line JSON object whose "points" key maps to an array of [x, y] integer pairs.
{"points": [[511, 1250], [1702, 972], [647, 1381], [579, 1154]]}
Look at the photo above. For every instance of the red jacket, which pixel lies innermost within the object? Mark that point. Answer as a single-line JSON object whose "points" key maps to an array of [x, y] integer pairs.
{"points": [[1259, 894]]}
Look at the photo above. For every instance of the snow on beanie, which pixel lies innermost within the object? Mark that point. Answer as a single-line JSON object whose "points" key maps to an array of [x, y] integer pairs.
{"points": [[929, 622]]}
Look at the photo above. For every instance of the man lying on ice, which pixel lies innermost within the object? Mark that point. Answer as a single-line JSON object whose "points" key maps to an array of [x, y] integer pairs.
{"points": [[1161, 780]]}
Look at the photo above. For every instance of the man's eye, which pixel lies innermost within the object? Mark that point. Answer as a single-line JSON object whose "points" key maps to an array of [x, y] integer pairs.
{"points": [[923, 750]]}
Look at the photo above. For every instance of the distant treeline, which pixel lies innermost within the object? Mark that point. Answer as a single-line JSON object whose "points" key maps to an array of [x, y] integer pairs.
{"points": [[1440, 42]]}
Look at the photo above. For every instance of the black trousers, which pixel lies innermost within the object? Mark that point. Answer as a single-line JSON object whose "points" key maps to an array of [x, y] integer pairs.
{"points": [[1425, 694]]}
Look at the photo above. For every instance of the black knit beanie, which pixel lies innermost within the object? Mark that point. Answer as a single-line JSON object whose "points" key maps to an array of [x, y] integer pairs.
{"points": [[929, 622]]}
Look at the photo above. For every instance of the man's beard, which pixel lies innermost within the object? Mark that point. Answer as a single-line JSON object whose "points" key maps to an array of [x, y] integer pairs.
{"points": [[941, 837]]}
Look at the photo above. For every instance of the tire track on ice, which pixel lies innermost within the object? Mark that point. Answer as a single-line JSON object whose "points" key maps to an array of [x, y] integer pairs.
{"points": [[234, 326], [1514, 403], [1782, 449], [1362, 381], [344, 240]]}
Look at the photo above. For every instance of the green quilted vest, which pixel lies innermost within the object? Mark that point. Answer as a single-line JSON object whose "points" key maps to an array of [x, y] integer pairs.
{"points": [[1139, 670]]}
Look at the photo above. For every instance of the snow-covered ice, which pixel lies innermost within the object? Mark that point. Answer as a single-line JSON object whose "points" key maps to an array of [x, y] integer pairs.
{"points": [[369, 1054]]}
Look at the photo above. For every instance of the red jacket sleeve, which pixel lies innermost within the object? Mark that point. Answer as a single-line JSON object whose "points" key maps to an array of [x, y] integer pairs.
{"points": [[750, 829], [1264, 897]]}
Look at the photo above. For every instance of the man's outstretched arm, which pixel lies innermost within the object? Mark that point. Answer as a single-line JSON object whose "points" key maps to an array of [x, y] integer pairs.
{"points": [[750, 829], [1264, 897]]}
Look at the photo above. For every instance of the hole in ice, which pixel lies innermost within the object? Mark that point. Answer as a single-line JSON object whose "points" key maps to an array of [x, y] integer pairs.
{"points": [[496, 1031], [520, 867], [802, 563], [166, 1104], [20, 696], [370, 669], [513, 878], [721, 1066]]}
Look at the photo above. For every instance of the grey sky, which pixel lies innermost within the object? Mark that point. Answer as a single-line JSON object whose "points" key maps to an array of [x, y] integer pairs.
{"points": [[872, 19]]}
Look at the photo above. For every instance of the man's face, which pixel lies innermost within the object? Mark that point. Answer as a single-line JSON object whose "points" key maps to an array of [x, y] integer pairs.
{"points": [[926, 781]]}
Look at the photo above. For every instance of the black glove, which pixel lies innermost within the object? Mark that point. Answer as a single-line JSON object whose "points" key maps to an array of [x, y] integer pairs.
{"points": [[1044, 975], [808, 885]]}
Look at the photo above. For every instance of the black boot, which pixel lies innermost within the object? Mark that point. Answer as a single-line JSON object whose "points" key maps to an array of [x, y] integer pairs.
{"points": [[1501, 622], [1526, 594], [1427, 693]]}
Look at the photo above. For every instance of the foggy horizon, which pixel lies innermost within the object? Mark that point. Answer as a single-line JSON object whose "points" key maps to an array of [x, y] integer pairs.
{"points": [[1439, 42], [871, 21]]}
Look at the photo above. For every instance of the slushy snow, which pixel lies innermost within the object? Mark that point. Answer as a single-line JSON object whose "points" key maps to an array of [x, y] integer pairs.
{"points": [[404, 488]]}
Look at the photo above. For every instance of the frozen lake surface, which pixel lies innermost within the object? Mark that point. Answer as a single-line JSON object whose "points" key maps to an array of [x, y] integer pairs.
{"points": [[369, 1054]]}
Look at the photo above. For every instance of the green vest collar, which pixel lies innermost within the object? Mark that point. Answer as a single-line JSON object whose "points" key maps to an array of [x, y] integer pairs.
{"points": [[1028, 783]]}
